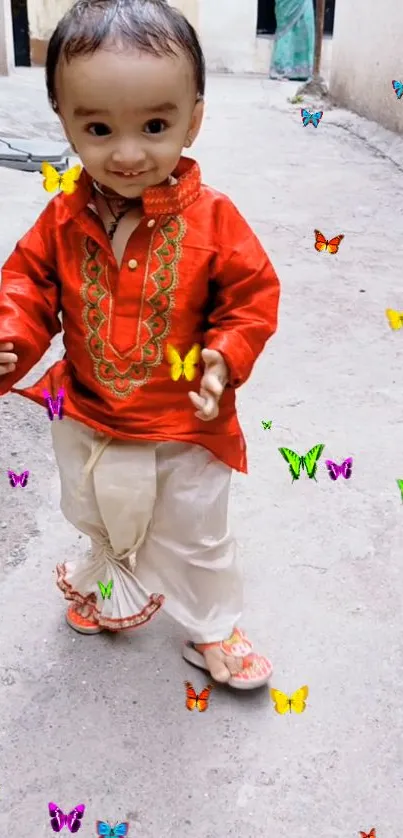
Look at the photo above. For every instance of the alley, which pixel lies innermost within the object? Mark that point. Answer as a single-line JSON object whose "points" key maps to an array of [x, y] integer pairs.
{"points": [[102, 720]]}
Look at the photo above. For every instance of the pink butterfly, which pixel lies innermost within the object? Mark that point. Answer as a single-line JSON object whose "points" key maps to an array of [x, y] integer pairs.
{"points": [[16, 479], [58, 819], [54, 405], [335, 471]]}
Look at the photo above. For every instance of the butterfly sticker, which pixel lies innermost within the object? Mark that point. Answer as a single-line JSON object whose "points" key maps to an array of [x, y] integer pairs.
{"points": [[200, 700], [309, 462], [66, 182], [54, 407], [371, 834], [104, 829], [398, 88], [286, 704], [187, 367], [308, 117], [335, 471], [266, 425], [331, 245], [395, 318], [58, 819], [106, 590], [18, 479], [400, 485]]}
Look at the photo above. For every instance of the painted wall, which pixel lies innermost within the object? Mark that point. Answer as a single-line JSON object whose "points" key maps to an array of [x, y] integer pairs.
{"points": [[6, 39], [366, 56], [190, 8], [228, 33], [227, 30], [43, 16]]}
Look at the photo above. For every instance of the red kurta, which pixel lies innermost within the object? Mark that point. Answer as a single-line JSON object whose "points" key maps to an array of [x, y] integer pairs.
{"points": [[192, 272]]}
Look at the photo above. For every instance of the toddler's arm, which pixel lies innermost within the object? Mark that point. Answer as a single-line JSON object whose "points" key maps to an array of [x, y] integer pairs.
{"points": [[29, 303], [247, 296]]}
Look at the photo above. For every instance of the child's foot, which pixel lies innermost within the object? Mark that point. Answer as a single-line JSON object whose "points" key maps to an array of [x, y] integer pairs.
{"points": [[220, 665], [231, 662]]}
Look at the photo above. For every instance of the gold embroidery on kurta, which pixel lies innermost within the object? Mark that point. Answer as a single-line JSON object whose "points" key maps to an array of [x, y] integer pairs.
{"points": [[116, 371]]}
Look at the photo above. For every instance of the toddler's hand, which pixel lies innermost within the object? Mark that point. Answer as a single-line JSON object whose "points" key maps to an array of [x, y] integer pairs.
{"points": [[8, 359], [212, 385]]}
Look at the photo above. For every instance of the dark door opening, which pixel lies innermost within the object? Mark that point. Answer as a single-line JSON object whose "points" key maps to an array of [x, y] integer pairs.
{"points": [[21, 33], [266, 19]]}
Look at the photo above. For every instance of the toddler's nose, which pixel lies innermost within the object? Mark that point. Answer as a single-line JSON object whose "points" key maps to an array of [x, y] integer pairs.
{"points": [[129, 159]]}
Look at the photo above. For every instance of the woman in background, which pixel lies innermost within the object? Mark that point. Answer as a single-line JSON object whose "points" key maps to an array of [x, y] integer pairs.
{"points": [[294, 43]]}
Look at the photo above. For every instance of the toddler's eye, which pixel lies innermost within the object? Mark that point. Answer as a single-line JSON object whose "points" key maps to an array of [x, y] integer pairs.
{"points": [[155, 126], [98, 129]]}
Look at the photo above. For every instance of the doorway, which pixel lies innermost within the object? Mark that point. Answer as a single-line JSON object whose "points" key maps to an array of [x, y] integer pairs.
{"points": [[19, 13], [266, 19]]}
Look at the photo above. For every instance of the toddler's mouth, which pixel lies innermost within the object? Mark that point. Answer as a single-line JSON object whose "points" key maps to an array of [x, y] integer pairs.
{"points": [[129, 174]]}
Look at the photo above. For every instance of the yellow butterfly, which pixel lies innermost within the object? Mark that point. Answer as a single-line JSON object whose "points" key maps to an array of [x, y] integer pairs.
{"points": [[67, 182], [395, 318], [185, 368], [296, 701]]}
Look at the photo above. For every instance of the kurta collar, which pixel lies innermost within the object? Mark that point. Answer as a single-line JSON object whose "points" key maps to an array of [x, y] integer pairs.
{"points": [[165, 199]]}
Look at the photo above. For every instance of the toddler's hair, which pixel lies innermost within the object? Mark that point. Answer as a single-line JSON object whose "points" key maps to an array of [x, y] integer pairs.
{"points": [[149, 25]]}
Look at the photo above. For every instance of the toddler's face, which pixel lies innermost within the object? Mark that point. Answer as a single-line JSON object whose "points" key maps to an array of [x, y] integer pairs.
{"points": [[128, 115]]}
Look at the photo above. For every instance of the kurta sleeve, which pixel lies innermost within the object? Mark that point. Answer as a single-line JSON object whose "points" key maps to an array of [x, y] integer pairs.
{"points": [[30, 298], [247, 294]]}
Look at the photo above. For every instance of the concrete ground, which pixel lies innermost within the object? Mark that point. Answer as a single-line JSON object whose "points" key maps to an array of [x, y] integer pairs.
{"points": [[102, 720]]}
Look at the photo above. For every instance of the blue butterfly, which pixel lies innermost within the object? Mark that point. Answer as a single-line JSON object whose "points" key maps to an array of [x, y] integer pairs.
{"points": [[107, 831], [308, 117], [398, 88]]}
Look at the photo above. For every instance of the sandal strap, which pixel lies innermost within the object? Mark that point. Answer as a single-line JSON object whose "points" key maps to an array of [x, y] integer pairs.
{"points": [[203, 646], [257, 668], [237, 645]]}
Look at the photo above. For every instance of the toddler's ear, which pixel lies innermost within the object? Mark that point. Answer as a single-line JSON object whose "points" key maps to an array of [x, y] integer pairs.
{"points": [[196, 121]]}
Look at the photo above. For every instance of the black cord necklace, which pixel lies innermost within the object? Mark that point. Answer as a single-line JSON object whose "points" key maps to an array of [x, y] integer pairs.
{"points": [[125, 204]]}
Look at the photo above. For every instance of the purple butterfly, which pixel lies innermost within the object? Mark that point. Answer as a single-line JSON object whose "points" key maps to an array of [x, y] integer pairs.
{"points": [[58, 819], [16, 479], [54, 405], [335, 471]]}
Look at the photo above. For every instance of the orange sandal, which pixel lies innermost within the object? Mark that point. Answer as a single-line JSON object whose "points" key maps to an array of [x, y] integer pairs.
{"points": [[256, 671], [84, 625]]}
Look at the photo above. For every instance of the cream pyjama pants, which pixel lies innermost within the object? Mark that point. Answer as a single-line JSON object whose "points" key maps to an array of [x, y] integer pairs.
{"points": [[157, 517]]}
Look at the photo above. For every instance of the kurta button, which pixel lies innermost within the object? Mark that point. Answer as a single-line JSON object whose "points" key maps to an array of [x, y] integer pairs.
{"points": [[132, 263], [151, 222]]}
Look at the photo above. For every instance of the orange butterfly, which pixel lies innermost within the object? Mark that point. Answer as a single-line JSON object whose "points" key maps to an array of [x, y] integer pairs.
{"points": [[200, 701], [371, 834], [331, 246]]}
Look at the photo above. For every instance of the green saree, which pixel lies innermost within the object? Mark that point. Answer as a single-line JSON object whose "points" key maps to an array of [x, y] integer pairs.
{"points": [[294, 43]]}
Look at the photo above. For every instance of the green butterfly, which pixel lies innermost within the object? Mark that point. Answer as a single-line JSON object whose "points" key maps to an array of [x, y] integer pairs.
{"points": [[106, 590], [400, 485], [266, 425], [309, 462]]}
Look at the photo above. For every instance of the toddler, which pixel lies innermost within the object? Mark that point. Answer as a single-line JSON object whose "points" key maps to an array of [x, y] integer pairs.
{"points": [[159, 281]]}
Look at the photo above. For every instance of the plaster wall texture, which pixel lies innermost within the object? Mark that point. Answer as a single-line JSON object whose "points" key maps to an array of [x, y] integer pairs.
{"points": [[6, 39], [43, 16], [366, 56]]}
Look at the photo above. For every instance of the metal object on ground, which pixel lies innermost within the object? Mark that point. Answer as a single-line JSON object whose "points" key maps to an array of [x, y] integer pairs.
{"points": [[28, 155]]}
